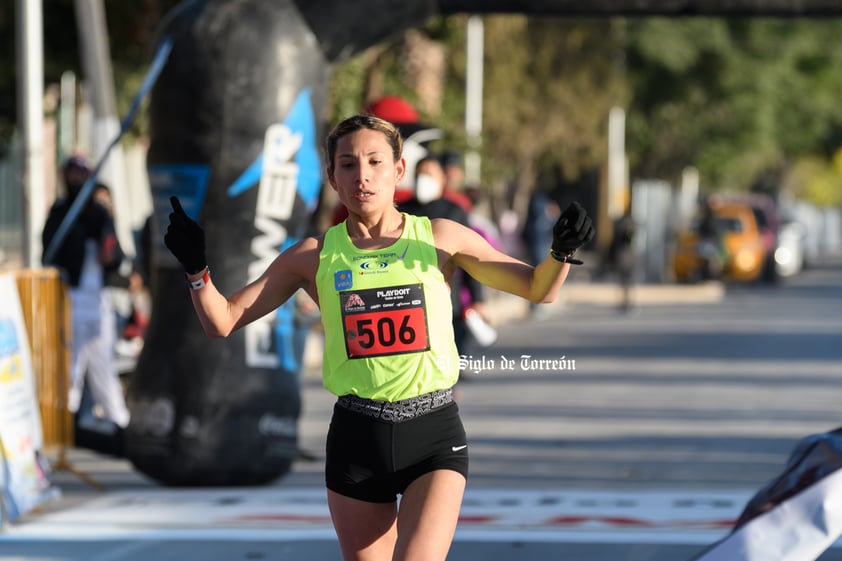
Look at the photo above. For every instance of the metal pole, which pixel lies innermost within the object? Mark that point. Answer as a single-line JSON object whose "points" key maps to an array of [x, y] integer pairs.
{"points": [[30, 47], [473, 99], [96, 61], [618, 187], [67, 116], [96, 64]]}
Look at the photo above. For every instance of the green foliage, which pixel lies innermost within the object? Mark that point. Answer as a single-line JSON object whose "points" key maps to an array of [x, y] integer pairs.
{"points": [[738, 99], [735, 98], [132, 28], [347, 89], [816, 179]]}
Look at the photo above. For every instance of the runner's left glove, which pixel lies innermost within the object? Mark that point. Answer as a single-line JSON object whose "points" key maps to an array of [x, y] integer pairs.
{"points": [[185, 239], [573, 229]]}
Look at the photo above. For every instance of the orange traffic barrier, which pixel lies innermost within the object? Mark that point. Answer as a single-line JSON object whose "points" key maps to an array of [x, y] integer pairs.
{"points": [[45, 301], [46, 313]]}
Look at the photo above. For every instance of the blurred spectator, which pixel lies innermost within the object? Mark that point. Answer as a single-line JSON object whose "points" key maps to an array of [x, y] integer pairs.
{"points": [[87, 253], [710, 247], [537, 231], [708, 227], [479, 217], [621, 256], [454, 180], [479, 221], [126, 287], [428, 201]]}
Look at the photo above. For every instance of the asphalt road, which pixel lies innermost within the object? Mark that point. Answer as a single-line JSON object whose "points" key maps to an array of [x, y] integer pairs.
{"points": [[594, 436]]}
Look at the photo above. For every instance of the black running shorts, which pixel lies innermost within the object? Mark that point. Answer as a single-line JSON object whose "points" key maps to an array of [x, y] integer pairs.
{"points": [[374, 460]]}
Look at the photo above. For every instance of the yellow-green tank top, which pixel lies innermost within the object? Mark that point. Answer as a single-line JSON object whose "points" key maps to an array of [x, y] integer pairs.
{"points": [[387, 316]]}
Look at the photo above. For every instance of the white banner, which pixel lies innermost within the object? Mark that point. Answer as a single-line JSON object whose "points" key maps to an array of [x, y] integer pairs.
{"points": [[799, 529], [797, 515], [23, 479]]}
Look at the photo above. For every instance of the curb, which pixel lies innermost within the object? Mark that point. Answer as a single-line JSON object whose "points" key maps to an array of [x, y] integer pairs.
{"points": [[504, 308]]}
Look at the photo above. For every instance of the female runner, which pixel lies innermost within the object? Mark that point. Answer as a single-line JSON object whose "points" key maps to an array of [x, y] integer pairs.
{"points": [[381, 281]]}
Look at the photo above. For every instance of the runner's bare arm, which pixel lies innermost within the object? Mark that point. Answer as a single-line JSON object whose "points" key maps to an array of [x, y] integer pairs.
{"points": [[293, 269], [462, 247]]}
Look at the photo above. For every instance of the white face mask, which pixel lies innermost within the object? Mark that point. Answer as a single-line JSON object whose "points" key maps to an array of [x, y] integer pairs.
{"points": [[427, 188]]}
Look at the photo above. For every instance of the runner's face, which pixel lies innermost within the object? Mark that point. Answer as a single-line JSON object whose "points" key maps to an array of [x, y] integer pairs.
{"points": [[365, 172]]}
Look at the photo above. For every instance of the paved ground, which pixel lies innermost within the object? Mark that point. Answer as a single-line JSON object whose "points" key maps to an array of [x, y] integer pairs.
{"points": [[643, 446]]}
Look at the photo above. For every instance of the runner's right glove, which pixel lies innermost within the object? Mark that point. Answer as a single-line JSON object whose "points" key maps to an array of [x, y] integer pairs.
{"points": [[185, 239]]}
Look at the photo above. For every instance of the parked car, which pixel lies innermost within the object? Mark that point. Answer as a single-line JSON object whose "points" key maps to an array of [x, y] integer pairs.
{"points": [[768, 225], [739, 253]]}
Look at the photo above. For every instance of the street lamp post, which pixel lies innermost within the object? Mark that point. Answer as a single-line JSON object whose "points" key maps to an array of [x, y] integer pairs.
{"points": [[30, 47], [473, 99], [96, 64]]}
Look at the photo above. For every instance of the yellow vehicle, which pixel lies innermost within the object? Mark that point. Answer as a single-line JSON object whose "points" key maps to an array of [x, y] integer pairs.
{"points": [[737, 255]]}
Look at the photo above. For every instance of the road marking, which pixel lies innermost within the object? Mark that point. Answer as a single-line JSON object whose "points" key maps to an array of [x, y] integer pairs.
{"points": [[487, 515]]}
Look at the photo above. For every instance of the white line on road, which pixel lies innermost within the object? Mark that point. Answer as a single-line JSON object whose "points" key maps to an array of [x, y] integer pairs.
{"points": [[488, 515]]}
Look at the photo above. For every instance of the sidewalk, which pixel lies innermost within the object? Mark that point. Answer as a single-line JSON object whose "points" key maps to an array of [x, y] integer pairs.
{"points": [[582, 288]]}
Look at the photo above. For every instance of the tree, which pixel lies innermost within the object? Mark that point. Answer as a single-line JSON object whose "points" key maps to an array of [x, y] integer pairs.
{"points": [[549, 84], [549, 87], [132, 28], [738, 99]]}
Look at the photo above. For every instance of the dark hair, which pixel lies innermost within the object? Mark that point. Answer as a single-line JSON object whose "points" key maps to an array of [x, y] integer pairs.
{"points": [[450, 158], [425, 159], [76, 168], [360, 122], [76, 162]]}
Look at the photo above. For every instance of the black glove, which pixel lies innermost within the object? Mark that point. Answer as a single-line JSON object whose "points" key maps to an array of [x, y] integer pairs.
{"points": [[185, 239], [573, 229]]}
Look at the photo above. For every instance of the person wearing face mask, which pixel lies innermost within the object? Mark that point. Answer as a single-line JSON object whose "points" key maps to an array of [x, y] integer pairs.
{"points": [[87, 254], [429, 201], [454, 180]]}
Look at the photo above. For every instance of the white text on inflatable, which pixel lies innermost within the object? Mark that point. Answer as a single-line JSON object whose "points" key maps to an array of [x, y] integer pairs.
{"points": [[275, 202]]}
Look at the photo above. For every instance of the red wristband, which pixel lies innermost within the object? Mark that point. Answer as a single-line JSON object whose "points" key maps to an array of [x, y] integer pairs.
{"points": [[200, 282]]}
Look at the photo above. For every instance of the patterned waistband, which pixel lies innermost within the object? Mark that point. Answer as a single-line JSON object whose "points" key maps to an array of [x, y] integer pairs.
{"points": [[397, 411]]}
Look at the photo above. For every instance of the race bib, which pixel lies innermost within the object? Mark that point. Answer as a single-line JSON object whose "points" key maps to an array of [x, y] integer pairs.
{"points": [[384, 321]]}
